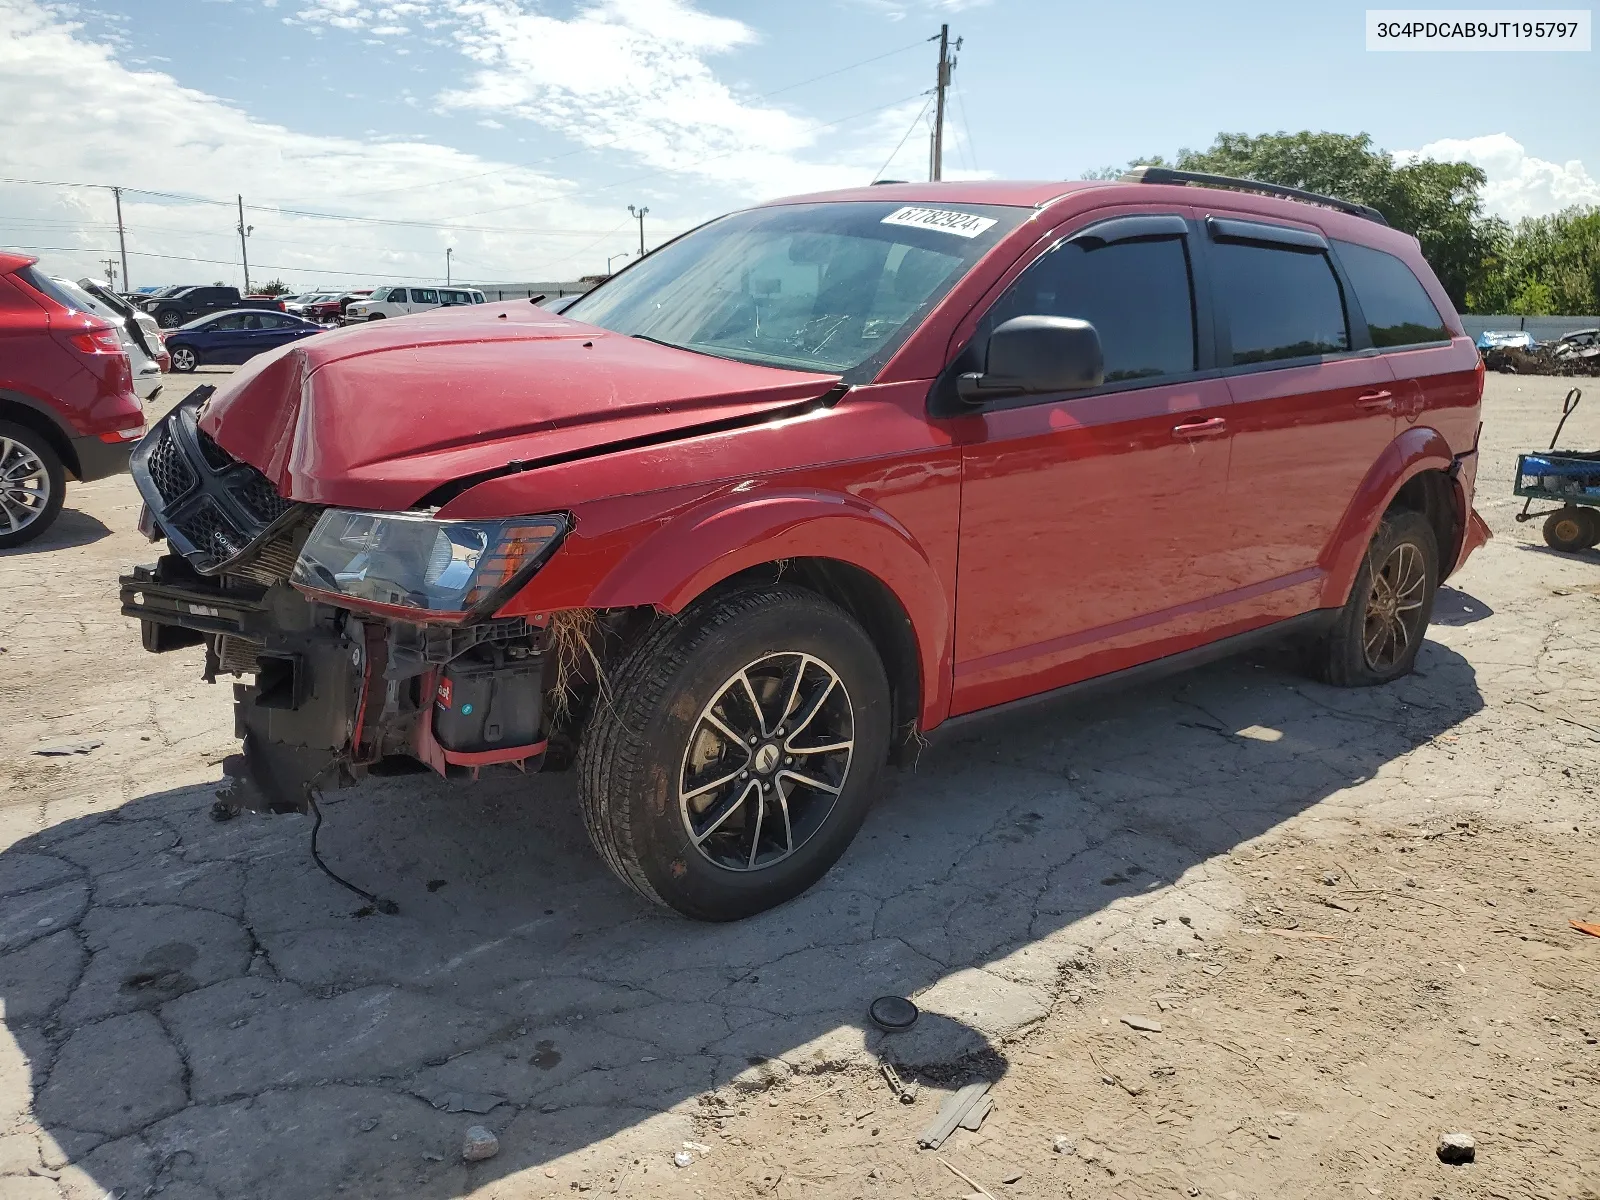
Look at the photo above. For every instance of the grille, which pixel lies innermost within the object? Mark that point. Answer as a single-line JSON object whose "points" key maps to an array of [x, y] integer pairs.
{"points": [[210, 532], [258, 495], [237, 655], [271, 564], [168, 470], [216, 457]]}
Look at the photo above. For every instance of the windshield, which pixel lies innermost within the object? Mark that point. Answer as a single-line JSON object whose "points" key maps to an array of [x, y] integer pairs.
{"points": [[817, 287]]}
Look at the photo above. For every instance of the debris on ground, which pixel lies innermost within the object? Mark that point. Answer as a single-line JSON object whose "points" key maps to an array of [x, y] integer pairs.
{"points": [[1142, 1024], [683, 1158], [968, 1179], [974, 1119], [1457, 1148], [893, 1013], [906, 1092], [66, 749], [1062, 1144], [452, 1101], [951, 1114], [1585, 927], [1549, 359], [479, 1144]]}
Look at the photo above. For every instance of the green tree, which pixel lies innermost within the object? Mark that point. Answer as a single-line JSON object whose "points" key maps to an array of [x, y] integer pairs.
{"points": [[1546, 265], [1438, 203], [276, 288]]}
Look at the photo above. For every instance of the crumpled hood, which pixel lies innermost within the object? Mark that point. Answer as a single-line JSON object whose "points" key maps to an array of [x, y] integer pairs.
{"points": [[378, 415]]}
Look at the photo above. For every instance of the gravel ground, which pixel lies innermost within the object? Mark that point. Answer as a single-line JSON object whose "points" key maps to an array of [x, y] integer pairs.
{"points": [[1347, 913]]}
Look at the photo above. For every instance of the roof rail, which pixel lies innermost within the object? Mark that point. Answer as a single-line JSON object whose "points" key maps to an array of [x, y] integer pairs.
{"points": [[1168, 175]]}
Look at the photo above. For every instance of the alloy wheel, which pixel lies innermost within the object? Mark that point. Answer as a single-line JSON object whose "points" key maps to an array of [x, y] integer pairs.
{"points": [[24, 486], [1394, 607], [183, 359], [766, 761]]}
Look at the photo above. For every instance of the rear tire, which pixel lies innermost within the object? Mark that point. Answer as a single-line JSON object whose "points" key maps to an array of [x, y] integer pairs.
{"points": [[184, 360], [1571, 529], [32, 484], [1380, 629], [168, 319], [702, 782]]}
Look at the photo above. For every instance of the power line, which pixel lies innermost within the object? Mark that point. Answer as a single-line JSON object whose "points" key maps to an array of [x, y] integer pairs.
{"points": [[902, 141], [228, 262]]}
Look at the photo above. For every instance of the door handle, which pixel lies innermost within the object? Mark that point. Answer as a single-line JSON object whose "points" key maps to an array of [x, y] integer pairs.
{"points": [[1214, 427], [1376, 401]]}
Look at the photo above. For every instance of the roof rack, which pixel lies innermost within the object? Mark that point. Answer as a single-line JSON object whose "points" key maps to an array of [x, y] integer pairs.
{"points": [[1168, 175]]}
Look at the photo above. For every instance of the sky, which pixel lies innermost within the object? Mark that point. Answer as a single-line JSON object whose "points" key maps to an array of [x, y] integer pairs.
{"points": [[368, 136]]}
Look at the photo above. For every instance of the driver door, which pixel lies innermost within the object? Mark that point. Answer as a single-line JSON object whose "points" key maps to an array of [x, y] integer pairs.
{"points": [[1093, 524]]}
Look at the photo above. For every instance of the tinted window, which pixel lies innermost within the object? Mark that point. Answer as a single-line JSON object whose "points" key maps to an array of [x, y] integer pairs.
{"points": [[232, 321], [1394, 302], [276, 321], [1135, 294], [424, 296], [43, 283], [1279, 303]]}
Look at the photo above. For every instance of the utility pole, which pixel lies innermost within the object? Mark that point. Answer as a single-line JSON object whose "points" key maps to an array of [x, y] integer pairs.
{"points": [[639, 212], [244, 254], [947, 64], [448, 251], [110, 264], [122, 241]]}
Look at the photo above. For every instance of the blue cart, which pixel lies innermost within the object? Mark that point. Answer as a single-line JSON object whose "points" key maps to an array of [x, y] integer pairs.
{"points": [[1570, 478]]}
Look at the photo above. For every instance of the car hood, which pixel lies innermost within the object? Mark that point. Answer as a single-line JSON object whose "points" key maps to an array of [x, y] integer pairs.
{"points": [[379, 415]]}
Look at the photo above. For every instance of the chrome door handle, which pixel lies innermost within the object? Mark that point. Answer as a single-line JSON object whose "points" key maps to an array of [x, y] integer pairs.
{"points": [[1375, 401], [1214, 427]]}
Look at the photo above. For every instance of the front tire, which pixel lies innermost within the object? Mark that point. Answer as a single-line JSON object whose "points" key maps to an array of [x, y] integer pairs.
{"points": [[167, 319], [184, 360], [32, 485], [1380, 629], [737, 752]]}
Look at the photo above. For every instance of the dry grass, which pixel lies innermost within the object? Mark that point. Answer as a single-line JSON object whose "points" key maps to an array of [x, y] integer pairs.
{"points": [[575, 632]]}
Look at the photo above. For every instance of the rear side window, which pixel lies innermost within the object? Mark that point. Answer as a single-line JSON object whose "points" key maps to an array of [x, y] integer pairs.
{"points": [[1136, 294], [1279, 303], [1396, 305], [228, 324], [421, 296], [41, 282]]}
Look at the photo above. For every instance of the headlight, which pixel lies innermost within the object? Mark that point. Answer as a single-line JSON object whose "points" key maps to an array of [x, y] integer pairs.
{"points": [[446, 569]]}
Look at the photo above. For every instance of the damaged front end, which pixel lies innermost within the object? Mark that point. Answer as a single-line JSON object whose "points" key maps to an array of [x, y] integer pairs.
{"points": [[358, 641]]}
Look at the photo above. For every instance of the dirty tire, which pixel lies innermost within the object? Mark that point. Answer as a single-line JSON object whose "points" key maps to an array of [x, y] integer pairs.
{"points": [[26, 459], [1571, 529], [634, 753], [1342, 658]]}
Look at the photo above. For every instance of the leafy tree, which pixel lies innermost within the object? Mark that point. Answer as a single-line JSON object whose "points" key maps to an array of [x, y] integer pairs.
{"points": [[1545, 265], [276, 288], [1438, 203]]}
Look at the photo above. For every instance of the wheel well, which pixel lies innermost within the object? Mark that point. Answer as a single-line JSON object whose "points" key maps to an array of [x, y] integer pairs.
{"points": [[1433, 494], [31, 418], [869, 600]]}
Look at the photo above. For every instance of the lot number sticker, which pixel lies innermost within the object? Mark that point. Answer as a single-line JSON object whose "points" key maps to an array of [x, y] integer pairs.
{"points": [[967, 225]]}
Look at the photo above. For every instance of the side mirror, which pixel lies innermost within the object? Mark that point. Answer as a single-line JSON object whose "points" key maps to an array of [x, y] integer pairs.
{"points": [[1034, 355]]}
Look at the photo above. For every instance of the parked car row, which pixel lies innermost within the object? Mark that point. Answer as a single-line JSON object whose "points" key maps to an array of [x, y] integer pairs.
{"points": [[234, 337], [174, 307], [398, 301]]}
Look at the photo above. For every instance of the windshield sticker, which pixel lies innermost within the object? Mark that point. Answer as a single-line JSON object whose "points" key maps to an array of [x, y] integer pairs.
{"points": [[967, 225]]}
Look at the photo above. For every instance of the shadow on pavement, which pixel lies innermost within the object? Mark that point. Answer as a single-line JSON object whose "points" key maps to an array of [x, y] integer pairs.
{"points": [[72, 528], [198, 1004], [1451, 606]]}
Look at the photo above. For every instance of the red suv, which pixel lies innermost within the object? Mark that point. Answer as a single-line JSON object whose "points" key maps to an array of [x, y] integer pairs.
{"points": [[811, 482], [67, 404]]}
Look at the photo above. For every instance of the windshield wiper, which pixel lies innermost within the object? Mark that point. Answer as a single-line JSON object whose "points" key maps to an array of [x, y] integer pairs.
{"points": [[645, 337]]}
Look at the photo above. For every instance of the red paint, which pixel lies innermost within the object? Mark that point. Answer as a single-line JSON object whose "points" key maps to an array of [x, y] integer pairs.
{"points": [[64, 372], [1027, 547]]}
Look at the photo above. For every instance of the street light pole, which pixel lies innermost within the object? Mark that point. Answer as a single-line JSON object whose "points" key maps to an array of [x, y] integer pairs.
{"points": [[244, 254], [610, 257], [640, 213], [448, 251]]}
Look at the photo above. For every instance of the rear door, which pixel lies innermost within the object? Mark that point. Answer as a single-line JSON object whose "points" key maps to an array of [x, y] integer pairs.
{"points": [[422, 298], [1090, 520], [1313, 402]]}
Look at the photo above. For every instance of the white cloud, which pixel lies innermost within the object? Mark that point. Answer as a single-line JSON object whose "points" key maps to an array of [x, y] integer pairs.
{"points": [[146, 131], [1519, 185]]}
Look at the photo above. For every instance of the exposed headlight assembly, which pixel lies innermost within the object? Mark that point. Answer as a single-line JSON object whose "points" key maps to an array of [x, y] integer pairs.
{"points": [[443, 570]]}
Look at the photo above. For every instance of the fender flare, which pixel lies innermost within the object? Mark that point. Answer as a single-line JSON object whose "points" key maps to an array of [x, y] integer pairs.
{"points": [[1414, 451], [714, 541]]}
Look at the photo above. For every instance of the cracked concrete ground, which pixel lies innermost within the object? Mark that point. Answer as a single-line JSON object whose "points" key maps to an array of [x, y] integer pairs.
{"points": [[194, 1010]]}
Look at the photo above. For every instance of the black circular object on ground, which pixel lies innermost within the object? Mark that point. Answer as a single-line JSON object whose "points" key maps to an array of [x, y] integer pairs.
{"points": [[893, 1013]]}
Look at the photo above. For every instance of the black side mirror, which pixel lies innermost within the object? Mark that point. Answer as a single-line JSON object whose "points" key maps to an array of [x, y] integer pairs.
{"points": [[1034, 355]]}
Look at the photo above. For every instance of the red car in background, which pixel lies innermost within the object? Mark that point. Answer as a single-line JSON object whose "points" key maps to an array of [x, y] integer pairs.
{"points": [[67, 404], [811, 482], [325, 311]]}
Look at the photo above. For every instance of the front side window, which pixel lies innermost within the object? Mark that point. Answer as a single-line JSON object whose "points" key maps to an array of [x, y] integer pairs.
{"points": [[397, 295], [1136, 294], [1280, 303], [815, 287], [1396, 305]]}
